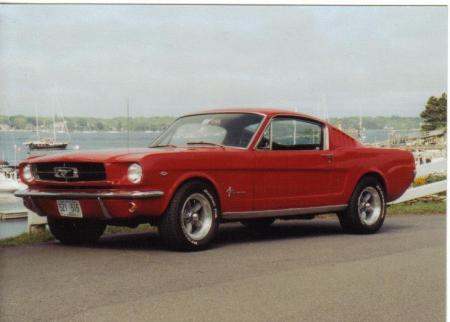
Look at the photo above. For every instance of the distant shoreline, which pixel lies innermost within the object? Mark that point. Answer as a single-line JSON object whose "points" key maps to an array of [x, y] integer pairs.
{"points": [[87, 131], [156, 132], [21, 123]]}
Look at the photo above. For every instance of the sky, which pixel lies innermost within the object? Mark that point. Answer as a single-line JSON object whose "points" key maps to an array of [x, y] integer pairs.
{"points": [[328, 61]]}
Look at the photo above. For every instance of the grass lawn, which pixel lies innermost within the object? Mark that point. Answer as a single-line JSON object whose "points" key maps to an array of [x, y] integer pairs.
{"points": [[26, 238], [31, 238], [418, 208]]}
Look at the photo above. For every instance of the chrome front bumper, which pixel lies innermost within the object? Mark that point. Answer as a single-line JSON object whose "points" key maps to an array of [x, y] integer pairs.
{"points": [[100, 195], [90, 195]]}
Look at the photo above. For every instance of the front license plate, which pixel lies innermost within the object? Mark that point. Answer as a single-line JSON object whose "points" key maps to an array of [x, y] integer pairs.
{"points": [[69, 208]]}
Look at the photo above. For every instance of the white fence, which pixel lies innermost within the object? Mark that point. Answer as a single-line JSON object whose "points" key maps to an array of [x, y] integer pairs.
{"points": [[432, 167]]}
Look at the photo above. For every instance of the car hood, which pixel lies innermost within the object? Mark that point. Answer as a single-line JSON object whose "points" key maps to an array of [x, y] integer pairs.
{"points": [[117, 155]]}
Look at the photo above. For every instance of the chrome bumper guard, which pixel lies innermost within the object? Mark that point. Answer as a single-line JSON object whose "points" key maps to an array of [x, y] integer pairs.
{"points": [[30, 194]]}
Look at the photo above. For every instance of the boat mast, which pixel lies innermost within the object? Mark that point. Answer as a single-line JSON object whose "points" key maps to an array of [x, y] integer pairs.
{"points": [[66, 129], [37, 122], [54, 128], [360, 128], [59, 106], [128, 123]]}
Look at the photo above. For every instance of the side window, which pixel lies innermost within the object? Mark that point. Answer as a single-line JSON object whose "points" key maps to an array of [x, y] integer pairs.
{"points": [[286, 133]]}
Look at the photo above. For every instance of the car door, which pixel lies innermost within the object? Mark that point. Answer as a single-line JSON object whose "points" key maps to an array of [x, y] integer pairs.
{"points": [[293, 165]]}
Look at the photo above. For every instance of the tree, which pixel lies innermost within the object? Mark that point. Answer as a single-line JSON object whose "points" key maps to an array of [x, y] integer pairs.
{"points": [[435, 114], [99, 126], [19, 122], [81, 123]]}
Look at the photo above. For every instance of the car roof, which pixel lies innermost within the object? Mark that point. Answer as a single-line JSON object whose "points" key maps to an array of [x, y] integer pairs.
{"points": [[263, 110]]}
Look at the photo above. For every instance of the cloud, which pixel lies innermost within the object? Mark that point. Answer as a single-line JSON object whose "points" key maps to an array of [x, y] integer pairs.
{"points": [[176, 59]]}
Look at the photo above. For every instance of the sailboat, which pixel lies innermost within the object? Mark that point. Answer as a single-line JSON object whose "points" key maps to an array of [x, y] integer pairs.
{"points": [[46, 143]]}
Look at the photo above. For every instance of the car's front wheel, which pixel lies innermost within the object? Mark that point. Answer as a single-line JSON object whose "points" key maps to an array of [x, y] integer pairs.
{"points": [[76, 231], [191, 220], [367, 208]]}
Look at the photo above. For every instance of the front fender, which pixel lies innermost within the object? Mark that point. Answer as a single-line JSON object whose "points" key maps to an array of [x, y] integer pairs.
{"points": [[183, 177]]}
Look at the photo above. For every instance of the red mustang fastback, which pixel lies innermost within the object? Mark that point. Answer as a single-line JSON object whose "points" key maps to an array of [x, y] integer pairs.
{"points": [[247, 165]]}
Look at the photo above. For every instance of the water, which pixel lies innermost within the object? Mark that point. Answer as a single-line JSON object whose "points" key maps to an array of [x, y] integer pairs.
{"points": [[373, 136], [85, 141], [81, 140], [11, 227]]}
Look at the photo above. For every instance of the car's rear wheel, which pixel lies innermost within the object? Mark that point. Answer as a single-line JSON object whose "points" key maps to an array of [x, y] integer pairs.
{"points": [[76, 231], [367, 209], [258, 224], [191, 220]]}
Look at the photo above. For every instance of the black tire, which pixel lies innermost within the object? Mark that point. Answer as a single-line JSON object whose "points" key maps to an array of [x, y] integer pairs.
{"points": [[76, 231], [172, 226], [259, 224], [352, 218]]}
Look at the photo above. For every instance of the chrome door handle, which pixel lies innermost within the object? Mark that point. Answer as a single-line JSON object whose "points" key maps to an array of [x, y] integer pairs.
{"points": [[328, 156]]}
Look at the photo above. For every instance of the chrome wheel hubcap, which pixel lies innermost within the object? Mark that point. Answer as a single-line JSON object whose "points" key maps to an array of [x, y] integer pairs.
{"points": [[369, 206], [196, 216]]}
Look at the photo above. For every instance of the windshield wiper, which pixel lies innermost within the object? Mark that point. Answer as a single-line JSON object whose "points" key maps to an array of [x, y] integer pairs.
{"points": [[205, 143], [163, 146]]}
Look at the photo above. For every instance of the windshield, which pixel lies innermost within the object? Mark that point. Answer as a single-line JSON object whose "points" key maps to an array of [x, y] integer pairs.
{"points": [[225, 129]]}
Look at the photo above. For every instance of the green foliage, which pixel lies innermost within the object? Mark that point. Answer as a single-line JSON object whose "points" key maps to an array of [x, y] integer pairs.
{"points": [[27, 238], [434, 177], [19, 121], [435, 113], [158, 123], [418, 208], [39, 237], [142, 228]]}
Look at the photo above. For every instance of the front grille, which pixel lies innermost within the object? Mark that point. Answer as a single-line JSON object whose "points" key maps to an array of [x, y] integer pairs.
{"points": [[69, 171]]}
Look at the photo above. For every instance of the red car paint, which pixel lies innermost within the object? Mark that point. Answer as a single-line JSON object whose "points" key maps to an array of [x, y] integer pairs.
{"points": [[245, 179]]}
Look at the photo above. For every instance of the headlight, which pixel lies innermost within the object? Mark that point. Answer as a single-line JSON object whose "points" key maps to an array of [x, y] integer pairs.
{"points": [[135, 173], [27, 173]]}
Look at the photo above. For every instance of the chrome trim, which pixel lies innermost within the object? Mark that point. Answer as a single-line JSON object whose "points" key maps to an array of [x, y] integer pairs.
{"points": [[104, 209], [90, 195], [326, 138], [370, 206], [35, 207], [269, 123], [196, 216], [62, 172], [282, 212], [254, 137], [323, 125]]}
